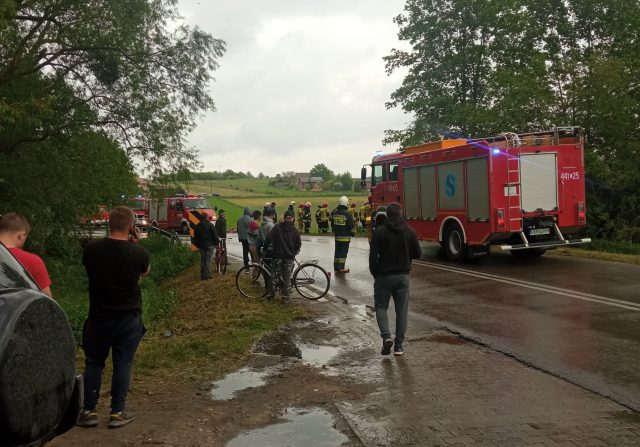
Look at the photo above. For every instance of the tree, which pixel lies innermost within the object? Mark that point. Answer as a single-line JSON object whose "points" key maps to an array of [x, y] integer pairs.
{"points": [[129, 67], [56, 182], [320, 170], [481, 68], [345, 181]]}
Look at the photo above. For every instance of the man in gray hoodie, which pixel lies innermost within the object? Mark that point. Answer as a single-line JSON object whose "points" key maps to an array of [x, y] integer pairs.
{"points": [[393, 246], [243, 227]]}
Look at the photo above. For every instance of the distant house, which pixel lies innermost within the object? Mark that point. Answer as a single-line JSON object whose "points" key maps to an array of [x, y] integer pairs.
{"points": [[304, 182]]}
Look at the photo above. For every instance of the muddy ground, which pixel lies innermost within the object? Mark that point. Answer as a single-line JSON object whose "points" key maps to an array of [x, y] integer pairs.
{"points": [[285, 395]]}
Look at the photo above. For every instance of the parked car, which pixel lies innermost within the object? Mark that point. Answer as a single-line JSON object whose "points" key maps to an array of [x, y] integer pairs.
{"points": [[40, 393]]}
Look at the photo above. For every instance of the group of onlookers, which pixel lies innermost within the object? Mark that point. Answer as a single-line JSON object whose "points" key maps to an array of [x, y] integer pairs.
{"points": [[116, 264]]}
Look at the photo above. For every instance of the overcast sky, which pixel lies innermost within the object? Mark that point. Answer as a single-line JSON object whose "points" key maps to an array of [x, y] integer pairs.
{"points": [[302, 82]]}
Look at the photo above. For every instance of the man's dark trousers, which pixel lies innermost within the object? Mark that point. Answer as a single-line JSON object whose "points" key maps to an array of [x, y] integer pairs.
{"points": [[245, 252], [206, 258], [384, 287], [341, 252], [121, 335]]}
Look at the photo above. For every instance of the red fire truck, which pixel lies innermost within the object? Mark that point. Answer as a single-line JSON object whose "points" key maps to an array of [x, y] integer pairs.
{"points": [[177, 212], [524, 192], [139, 206]]}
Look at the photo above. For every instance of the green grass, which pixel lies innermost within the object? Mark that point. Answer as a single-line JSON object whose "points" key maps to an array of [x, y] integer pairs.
{"points": [[70, 283], [256, 188], [233, 210], [212, 330]]}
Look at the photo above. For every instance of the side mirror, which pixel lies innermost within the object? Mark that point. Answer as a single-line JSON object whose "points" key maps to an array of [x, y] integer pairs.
{"points": [[363, 175]]}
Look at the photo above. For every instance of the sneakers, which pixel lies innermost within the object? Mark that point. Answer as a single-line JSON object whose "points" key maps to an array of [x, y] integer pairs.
{"points": [[398, 350], [386, 346], [118, 419], [87, 419]]}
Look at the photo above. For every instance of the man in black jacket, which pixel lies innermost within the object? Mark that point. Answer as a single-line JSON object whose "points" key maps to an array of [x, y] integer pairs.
{"points": [[393, 246], [286, 243], [206, 239]]}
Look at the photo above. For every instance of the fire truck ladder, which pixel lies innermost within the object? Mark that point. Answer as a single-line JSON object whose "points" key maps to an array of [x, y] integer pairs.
{"points": [[513, 183]]}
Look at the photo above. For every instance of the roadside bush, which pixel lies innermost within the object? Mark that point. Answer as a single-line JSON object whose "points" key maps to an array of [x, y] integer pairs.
{"points": [[70, 283]]}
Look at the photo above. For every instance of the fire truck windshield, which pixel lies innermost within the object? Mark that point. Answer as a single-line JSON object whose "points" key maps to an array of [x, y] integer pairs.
{"points": [[196, 204], [137, 205]]}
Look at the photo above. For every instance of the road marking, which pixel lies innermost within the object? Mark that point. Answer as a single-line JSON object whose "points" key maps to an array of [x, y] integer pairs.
{"points": [[536, 286]]}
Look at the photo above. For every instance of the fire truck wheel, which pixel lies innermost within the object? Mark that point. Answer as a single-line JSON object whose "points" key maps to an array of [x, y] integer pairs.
{"points": [[528, 253], [454, 245]]}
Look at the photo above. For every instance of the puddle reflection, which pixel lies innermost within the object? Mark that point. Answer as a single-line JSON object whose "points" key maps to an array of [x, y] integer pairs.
{"points": [[303, 427]]}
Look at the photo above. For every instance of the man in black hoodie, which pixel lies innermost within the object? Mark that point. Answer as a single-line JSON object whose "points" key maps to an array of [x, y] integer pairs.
{"points": [[393, 246], [286, 243]]}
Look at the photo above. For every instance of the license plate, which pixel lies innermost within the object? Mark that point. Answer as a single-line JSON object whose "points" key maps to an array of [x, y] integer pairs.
{"points": [[539, 231]]}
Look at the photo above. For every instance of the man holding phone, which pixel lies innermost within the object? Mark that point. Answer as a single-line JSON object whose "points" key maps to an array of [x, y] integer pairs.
{"points": [[114, 266]]}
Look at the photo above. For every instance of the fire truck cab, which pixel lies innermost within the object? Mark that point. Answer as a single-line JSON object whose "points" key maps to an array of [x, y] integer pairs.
{"points": [[139, 206], [523, 192], [178, 212]]}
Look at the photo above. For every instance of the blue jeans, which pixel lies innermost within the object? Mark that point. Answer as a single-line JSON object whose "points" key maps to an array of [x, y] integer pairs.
{"points": [[122, 336], [206, 258], [385, 287]]}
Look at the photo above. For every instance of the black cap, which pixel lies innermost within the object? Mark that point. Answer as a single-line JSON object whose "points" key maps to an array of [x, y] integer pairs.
{"points": [[269, 211], [221, 210], [288, 214]]}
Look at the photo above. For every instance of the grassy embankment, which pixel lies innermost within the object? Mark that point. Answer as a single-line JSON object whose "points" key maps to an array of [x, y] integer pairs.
{"points": [[196, 330], [605, 250]]}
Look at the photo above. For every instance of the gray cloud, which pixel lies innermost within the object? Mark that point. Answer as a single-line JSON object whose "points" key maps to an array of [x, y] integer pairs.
{"points": [[302, 82]]}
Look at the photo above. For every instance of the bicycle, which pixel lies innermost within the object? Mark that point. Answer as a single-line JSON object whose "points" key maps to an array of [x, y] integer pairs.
{"points": [[309, 279], [221, 259]]}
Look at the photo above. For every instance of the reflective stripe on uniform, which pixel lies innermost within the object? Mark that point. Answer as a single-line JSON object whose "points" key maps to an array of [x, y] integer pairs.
{"points": [[343, 239]]}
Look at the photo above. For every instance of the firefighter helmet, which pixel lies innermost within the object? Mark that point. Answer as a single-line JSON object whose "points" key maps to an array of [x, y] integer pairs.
{"points": [[353, 204], [344, 200], [301, 205], [308, 204], [267, 204], [325, 205], [292, 203]]}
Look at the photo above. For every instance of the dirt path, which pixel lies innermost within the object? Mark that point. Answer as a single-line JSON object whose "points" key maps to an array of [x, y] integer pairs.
{"points": [[305, 388]]}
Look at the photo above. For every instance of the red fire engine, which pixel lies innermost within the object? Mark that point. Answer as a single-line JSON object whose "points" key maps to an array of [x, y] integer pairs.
{"points": [[524, 192], [178, 212], [98, 219], [139, 206]]}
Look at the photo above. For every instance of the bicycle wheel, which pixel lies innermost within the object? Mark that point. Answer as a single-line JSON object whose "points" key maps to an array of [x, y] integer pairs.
{"points": [[252, 281], [311, 281], [221, 263]]}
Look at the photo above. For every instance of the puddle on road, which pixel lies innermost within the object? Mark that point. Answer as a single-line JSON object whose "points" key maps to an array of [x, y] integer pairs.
{"points": [[362, 312], [317, 355], [303, 427], [283, 343], [242, 379]]}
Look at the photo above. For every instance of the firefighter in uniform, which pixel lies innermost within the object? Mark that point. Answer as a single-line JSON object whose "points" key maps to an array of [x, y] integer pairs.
{"points": [[306, 217], [300, 213], [365, 211], [317, 216], [343, 228], [291, 204], [324, 218], [354, 215]]}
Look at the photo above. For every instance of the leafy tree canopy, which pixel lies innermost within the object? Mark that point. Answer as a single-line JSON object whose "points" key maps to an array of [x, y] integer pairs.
{"points": [[320, 170], [480, 68], [130, 68]]}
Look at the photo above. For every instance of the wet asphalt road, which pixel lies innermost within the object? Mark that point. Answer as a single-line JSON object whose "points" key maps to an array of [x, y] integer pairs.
{"points": [[575, 318]]}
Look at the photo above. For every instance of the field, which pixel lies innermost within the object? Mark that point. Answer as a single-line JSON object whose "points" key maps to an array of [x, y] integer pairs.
{"points": [[235, 206], [247, 187], [253, 193]]}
